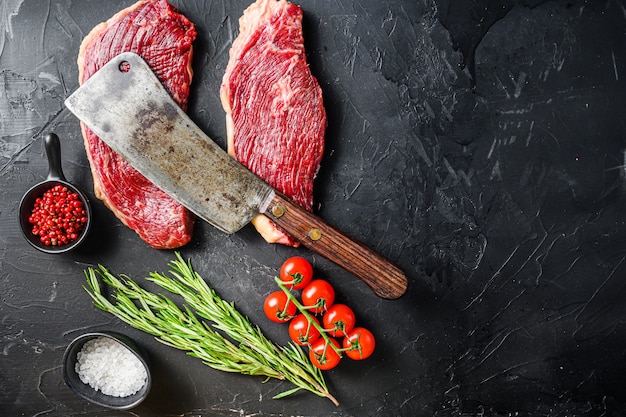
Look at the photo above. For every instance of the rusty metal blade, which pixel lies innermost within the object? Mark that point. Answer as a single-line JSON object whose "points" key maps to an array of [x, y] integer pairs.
{"points": [[127, 107]]}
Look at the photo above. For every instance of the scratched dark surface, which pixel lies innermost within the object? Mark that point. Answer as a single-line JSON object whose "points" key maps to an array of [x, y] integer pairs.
{"points": [[480, 145]]}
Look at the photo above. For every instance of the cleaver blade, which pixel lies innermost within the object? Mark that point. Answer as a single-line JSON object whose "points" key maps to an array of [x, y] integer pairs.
{"points": [[125, 104]]}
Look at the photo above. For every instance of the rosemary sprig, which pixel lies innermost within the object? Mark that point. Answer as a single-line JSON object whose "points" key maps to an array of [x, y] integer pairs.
{"points": [[229, 343]]}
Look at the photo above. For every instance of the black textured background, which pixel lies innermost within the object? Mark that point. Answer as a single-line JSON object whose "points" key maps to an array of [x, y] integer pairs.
{"points": [[480, 145]]}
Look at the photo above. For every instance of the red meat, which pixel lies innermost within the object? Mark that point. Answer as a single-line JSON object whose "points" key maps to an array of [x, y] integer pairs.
{"points": [[275, 117], [163, 37]]}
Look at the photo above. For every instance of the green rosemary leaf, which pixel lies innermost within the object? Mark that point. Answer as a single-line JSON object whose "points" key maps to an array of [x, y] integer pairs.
{"points": [[286, 393]]}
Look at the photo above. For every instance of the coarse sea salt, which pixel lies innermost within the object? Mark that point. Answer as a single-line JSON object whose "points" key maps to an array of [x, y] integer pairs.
{"points": [[108, 366]]}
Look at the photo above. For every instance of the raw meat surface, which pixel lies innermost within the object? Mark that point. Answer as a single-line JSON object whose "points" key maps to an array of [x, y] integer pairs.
{"points": [[275, 118], [162, 37]]}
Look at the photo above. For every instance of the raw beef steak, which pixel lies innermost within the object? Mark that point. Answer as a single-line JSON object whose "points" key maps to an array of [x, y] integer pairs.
{"points": [[163, 37], [275, 118]]}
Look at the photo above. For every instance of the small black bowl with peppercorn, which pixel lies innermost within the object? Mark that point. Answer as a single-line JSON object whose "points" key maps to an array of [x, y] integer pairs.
{"points": [[55, 216]]}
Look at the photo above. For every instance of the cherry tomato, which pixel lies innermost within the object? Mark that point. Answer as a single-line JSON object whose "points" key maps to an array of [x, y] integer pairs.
{"points": [[296, 271], [359, 343], [322, 356], [339, 319], [278, 308], [302, 332], [318, 296]]}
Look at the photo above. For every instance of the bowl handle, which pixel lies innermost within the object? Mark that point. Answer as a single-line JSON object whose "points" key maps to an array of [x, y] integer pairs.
{"points": [[53, 151]]}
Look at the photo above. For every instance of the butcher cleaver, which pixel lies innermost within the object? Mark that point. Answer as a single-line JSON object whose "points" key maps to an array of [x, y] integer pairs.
{"points": [[127, 107]]}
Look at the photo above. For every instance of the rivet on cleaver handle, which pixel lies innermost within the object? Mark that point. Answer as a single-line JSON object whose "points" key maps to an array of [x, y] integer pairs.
{"points": [[128, 108]]}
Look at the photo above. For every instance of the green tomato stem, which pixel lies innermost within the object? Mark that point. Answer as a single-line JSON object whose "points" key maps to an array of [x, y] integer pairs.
{"points": [[284, 315]]}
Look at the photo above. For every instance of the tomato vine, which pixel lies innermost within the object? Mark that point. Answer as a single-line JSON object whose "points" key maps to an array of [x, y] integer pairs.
{"points": [[317, 297]]}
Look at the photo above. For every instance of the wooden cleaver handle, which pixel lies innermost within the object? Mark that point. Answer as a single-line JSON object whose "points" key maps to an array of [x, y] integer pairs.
{"points": [[385, 278]]}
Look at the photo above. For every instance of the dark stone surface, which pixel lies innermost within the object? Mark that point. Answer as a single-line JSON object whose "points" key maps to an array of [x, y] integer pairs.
{"points": [[477, 144]]}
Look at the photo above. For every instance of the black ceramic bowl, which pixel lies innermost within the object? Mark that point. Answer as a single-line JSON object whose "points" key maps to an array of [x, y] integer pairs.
{"points": [[55, 177], [85, 391]]}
